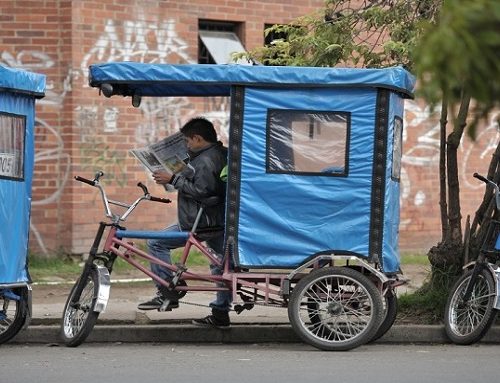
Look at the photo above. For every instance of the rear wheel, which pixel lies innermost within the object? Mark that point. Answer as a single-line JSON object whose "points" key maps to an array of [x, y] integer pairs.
{"points": [[390, 313], [13, 311], [79, 317], [335, 309], [466, 322]]}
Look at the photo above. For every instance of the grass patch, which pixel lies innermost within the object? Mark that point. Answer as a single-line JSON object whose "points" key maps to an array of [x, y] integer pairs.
{"points": [[42, 268], [427, 304], [414, 259], [424, 306], [65, 267]]}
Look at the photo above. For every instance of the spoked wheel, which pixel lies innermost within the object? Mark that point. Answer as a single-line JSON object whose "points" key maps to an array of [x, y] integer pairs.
{"points": [[390, 312], [466, 322], [13, 311], [79, 318], [335, 309]]}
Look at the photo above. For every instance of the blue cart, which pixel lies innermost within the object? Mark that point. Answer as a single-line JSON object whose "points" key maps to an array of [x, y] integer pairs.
{"points": [[18, 91], [312, 207]]}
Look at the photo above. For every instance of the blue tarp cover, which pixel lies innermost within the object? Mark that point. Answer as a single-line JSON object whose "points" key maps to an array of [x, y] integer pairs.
{"points": [[18, 90], [286, 215], [19, 81], [216, 80]]}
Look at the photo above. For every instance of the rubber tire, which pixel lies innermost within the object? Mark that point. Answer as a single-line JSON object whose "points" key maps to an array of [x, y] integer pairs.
{"points": [[354, 277], [473, 336], [390, 314], [20, 315], [69, 336]]}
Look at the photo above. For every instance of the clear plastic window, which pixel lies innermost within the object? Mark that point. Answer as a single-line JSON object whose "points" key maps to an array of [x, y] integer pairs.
{"points": [[12, 128], [397, 149], [308, 142]]}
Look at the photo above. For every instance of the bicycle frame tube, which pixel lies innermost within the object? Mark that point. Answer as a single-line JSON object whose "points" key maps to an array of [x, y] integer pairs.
{"points": [[115, 245]]}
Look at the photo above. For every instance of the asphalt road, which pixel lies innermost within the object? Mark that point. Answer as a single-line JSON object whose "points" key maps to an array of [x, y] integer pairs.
{"points": [[127, 363]]}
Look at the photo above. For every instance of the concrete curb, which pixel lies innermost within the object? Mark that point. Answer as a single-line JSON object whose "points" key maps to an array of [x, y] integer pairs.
{"points": [[240, 333]]}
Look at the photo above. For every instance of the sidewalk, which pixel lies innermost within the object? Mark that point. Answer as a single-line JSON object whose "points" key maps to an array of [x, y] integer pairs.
{"points": [[123, 322]]}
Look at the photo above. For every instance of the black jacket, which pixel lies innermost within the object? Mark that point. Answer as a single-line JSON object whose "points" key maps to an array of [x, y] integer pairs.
{"points": [[195, 188]]}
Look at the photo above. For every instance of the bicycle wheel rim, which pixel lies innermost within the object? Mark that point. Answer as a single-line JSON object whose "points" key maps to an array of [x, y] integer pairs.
{"points": [[342, 311], [76, 316], [466, 318]]}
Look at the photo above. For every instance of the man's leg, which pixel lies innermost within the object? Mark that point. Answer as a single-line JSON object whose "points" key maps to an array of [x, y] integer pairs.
{"points": [[223, 299], [160, 248]]}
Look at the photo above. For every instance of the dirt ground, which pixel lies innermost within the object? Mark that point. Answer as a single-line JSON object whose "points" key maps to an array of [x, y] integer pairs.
{"points": [[414, 275]]}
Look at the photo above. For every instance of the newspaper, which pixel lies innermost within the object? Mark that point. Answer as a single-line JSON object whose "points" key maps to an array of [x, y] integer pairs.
{"points": [[168, 154]]}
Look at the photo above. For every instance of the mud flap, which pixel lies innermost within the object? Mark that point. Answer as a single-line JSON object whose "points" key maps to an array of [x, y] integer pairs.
{"points": [[496, 274], [103, 288]]}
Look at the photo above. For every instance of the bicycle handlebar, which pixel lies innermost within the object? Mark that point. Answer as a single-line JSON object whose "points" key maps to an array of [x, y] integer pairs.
{"points": [[158, 199], [84, 180], [481, 178], [130, 207], [493, 184]]}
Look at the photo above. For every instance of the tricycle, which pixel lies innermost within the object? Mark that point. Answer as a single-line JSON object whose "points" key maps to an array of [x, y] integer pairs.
{"points": [[18, 91], [312, 200]]}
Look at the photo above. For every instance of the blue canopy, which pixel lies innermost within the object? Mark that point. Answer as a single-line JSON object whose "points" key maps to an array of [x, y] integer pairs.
{"points": [[129, 78], [19, 81], [314, 154]]}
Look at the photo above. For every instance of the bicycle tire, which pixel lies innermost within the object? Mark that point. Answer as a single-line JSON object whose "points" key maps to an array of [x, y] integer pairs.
{"points": [[390, 314], [13, 314], [349, 309], [79, 319], [468, 322]]}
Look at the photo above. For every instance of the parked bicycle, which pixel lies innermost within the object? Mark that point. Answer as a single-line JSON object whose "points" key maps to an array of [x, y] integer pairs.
{"points": [[474, 299]]}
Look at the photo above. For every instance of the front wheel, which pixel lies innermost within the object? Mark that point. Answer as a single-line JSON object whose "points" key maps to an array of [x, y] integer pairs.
{"points": [[466, 322], [13, 311], [335, 309], [79, 316]]}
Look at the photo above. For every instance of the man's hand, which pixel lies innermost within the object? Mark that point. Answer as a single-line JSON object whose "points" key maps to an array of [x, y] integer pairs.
{"points": [[162, 177]]}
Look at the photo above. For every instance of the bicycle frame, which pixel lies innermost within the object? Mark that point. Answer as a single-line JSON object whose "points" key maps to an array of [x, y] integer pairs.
{"points": [[269, 288], [488, 248]]}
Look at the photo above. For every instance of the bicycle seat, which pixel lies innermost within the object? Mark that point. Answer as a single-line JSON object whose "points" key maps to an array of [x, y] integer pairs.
{"points": [[210, 201], [209, 233]]}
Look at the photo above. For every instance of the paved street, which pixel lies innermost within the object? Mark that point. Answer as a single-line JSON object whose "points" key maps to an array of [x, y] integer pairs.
{"points": [[218, 363]]}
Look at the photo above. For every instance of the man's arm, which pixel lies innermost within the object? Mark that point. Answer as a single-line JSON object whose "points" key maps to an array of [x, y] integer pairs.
{"points": [[202, 185]]}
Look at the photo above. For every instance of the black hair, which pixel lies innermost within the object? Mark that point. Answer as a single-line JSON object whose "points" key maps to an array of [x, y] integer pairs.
{"points": [[202, 127]]}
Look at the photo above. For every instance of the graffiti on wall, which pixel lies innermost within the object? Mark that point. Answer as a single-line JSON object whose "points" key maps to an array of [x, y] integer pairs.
{"points": [[423, 153], [158, 42]]}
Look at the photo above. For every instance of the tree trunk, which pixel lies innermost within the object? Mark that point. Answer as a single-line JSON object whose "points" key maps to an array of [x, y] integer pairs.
{"points": [[447, 257], [443, 205]]}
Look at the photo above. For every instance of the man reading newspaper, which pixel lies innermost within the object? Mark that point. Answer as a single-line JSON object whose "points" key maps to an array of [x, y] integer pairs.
{"points": [[207, 157]]}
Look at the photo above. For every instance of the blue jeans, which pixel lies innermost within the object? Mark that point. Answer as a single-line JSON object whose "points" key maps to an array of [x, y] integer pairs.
{"points": [[160, 248]]}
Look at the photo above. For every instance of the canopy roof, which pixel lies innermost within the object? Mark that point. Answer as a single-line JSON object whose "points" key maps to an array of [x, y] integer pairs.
{"points": [[129, 78], [20, 81]]}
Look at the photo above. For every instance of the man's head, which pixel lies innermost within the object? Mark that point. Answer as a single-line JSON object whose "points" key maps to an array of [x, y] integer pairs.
{"points": [[199, 133]]}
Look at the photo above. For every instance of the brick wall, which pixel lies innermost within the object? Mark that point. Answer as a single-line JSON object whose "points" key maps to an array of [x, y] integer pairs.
{"points": [[79, 132]]}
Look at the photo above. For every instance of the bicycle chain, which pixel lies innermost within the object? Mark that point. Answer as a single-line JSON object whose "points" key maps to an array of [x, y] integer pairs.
{"points": [[273, 305]]}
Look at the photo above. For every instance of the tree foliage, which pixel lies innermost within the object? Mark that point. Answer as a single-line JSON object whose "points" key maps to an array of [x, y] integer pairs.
{"points": [[369, 33], [459, 53]]}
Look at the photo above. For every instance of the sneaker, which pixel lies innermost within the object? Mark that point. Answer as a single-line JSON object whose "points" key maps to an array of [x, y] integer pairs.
{"points": [[155, 303], [211, 321]]}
